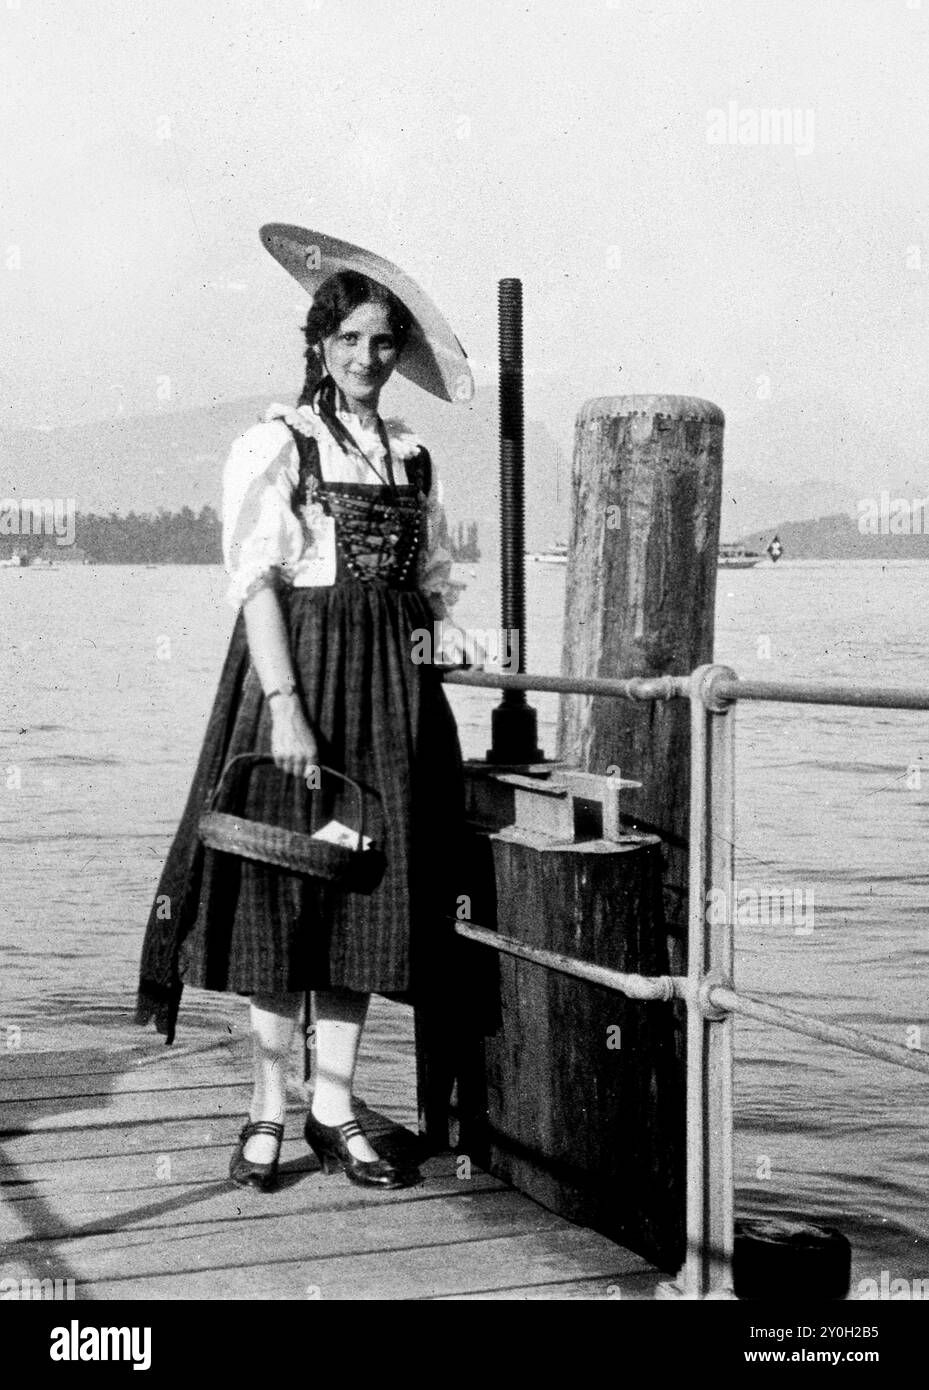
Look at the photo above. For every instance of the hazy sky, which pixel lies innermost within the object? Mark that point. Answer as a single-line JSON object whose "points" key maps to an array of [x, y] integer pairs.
{"points": [[564, 141]]}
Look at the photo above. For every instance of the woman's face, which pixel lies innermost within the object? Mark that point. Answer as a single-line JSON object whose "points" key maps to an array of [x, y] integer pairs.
{"points": [[361, 355]]}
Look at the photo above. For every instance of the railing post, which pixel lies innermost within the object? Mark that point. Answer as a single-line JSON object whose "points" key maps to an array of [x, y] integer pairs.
{"points": [[707, 1271]]}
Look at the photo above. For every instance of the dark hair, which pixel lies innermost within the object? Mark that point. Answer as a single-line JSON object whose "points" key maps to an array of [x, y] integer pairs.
{"points": [[337, 297]]}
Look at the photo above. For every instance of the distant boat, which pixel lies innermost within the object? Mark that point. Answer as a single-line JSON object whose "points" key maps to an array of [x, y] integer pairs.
{"points": [[736, 557], [731, 557], [17, 561], [556, 555]]}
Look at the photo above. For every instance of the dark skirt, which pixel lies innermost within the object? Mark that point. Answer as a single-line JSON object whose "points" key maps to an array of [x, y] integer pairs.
{"points": [[384, 719]]}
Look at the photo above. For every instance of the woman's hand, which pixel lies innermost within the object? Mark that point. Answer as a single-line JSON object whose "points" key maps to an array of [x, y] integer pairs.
{"points": [[293, 746]]}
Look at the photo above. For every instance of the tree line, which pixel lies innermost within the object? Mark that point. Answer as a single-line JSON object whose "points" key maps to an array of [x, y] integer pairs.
{"points": [[184, 537]]}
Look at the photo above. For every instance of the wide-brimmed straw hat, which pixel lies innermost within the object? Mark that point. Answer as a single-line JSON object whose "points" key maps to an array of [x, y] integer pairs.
{"points": [[432, 357]]}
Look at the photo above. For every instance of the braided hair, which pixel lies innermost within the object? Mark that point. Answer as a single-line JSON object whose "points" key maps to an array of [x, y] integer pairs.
{"points": [[337, 297]]}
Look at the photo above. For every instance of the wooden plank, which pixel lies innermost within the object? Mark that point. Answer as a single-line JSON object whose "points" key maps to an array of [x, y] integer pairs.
{"points": [[65, 1179], [231, 1067], [62, 1214], [33, 1091], [213, 1098], [166, 1134], [176, 1153], [115, 1175], [64, 1062], [419, 1272], [148, 1108], [628, 1286], [88, 1040], [114, 1141], [251, 1234]]}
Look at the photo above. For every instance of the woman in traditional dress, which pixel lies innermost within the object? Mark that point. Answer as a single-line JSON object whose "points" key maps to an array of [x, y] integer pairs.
{"points": [[332, 537]]}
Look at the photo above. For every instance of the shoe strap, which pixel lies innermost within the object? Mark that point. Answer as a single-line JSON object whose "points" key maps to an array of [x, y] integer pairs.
{"points": [[350, 1130], [263, 1127]]}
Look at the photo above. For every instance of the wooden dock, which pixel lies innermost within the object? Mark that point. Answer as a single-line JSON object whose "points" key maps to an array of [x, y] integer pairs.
{"points": [[113, 1155]]}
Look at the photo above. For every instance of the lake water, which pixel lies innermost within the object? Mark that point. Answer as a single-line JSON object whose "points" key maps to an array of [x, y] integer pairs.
{"points": [[108, 676]]}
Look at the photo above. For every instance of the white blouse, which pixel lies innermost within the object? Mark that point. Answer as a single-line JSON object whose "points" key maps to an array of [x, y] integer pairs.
{"points": [[266, 542]]}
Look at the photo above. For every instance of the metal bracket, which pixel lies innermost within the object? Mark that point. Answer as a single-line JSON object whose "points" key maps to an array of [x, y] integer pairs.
{"points": [[703, 686], [547, 807], [713, 979]]}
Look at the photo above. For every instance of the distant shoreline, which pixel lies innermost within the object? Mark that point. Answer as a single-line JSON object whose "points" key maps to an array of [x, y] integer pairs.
{"points": [[62, 561]]}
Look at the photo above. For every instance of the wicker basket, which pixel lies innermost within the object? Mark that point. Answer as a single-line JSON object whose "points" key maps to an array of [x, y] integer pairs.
{"points": [[355, 868]]}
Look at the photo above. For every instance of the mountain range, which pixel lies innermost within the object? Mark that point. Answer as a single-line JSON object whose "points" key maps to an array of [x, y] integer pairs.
{"points": [[172, 459], [839, 537]]}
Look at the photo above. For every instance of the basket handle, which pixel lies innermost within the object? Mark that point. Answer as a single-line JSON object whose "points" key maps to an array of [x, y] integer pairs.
{"points": [[267, 758]]}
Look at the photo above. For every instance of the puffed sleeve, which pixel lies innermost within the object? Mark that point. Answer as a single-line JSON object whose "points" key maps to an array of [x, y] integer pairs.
{"points": [[261, 533], [434, 569]]}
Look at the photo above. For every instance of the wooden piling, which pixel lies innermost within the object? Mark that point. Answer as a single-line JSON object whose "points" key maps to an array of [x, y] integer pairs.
{"points": [[572, 1093], [573, 1070], [639, 601]]}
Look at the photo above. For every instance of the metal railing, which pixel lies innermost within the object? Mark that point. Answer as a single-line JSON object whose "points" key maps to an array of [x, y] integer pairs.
{"points": [[708, 987]]}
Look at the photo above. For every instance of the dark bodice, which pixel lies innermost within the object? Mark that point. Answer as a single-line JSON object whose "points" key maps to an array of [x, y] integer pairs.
{"points": [[379, 529]]}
